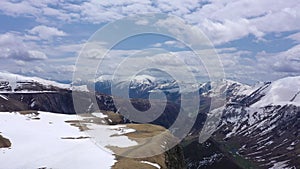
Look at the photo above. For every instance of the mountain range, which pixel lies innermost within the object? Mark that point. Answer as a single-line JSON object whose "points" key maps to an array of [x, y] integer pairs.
{"points": [[258, 127]]}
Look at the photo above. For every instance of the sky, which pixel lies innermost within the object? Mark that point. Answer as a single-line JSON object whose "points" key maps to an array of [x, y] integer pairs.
{"points": [[255, 40]]}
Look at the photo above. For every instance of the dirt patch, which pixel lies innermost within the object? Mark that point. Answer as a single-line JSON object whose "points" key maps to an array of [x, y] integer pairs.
{"points": [[75, 138], [145, 130], [4, 142], [75, 121], [29, 112], [32, 114], [129, 163], [113, 118], [78, 123]]}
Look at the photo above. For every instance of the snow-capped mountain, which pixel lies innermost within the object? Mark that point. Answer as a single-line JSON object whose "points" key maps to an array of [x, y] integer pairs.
{"points": [[141, 85], [260, 127], [268, 121], [10, 82], [14, 82], [281, 92]]}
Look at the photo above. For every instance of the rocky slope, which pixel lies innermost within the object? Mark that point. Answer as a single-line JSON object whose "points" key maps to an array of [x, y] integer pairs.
{"points": [[259, 128]]}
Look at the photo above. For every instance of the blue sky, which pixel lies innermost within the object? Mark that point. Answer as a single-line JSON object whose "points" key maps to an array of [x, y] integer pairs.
{"points": [[256, 40]]}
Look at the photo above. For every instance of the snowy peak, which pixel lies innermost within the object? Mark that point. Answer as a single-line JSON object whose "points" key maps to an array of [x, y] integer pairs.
{"points": [[227, 88], [13, 82], [281, 92], [146, 79]]}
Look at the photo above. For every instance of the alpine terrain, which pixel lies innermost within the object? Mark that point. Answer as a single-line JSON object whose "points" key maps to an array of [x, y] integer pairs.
{"points": [[39, 128]]}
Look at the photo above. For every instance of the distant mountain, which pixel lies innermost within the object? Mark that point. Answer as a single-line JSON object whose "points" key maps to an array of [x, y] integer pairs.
{"points": [[14, 82], [10, 82]]}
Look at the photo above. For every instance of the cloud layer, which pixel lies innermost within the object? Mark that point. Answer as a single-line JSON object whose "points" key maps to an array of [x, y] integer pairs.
{"points": [[48, 37], [13, 47]]}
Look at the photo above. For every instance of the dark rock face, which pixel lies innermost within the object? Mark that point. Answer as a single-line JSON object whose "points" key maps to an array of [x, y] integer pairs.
{"points": [[52, 102], [208, 155], [175, 158], [33, 95], [11, 104], [60, 101]]}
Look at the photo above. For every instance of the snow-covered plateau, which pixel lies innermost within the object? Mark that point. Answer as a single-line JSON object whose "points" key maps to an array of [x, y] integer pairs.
{"points": [[43, 139]]}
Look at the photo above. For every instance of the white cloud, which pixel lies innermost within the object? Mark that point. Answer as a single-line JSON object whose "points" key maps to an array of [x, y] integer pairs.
{"points": [[229, 30], [38, 69], [46, 32], [237, 19], [179, 8], [264, 67], [176, 44], [66, 68], [169, 43], [36, 55], [142, 22], [15, 9], [12, 46], [40, 10], [20, 62], [295, 37], [285, 62], [157, 45]]}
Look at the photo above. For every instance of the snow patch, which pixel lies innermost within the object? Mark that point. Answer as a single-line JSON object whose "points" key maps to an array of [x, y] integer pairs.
{"points": [[82, 88], [144, 78], [100, 115], [280, 165], [4, 97], [105, 135], [153, 164]]}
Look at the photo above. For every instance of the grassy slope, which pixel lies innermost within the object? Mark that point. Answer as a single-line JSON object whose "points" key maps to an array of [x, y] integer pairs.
{"points": [[147, 143]]}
